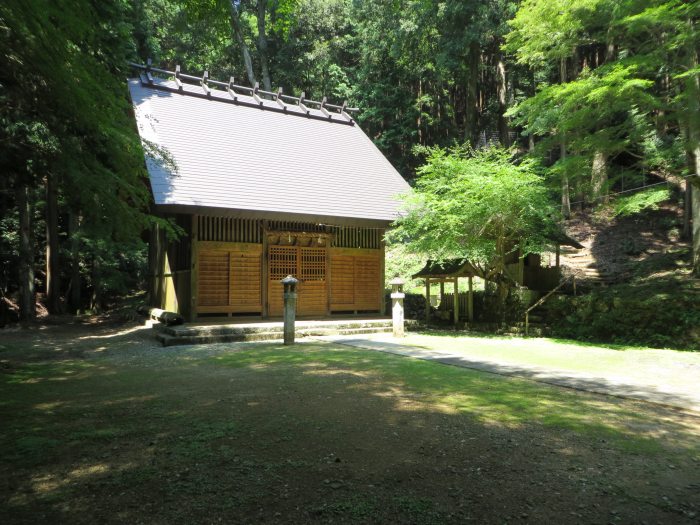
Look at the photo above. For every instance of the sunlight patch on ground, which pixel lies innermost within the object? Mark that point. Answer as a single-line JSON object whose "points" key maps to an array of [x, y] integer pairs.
{"points": [[337, 372], [112, 335], [49, 407], [132, 399]]}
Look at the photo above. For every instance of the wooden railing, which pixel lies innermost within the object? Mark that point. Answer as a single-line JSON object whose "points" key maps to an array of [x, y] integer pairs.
{"points": [[544, 298]]}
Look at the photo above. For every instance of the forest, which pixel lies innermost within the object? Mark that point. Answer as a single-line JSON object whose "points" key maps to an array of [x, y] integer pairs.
{"points": [[599, 97]]}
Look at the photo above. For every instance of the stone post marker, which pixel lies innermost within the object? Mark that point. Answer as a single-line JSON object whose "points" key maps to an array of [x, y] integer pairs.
{"points": [[290, 307], [397, 297]]}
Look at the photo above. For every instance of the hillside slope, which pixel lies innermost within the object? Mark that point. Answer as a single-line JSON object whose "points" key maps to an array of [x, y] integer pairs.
{"points": [[635, 274]]}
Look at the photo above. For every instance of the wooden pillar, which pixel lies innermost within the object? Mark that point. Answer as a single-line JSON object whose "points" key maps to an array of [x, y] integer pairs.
{"points": [[382, 271], [194, 268], [558, 255], [264, 271], [456, 302], [427, 300], [521, 268], [470, 301], [328, 277], [442, 291]]}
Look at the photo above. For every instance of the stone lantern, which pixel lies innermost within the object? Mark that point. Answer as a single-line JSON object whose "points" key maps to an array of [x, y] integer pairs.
{"points": [[290, 307], [397, 315]]}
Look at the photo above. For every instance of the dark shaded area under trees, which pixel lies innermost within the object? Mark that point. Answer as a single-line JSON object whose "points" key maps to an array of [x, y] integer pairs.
{"points": [[603, 94]]}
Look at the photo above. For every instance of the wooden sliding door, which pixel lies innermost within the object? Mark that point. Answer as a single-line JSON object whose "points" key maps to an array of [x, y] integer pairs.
{"points": [[229, 279]]}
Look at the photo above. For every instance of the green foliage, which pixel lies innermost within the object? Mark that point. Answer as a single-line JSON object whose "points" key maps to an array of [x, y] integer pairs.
{"points": [[640, 201], [654, 314], [477, 205], [402, 262]]}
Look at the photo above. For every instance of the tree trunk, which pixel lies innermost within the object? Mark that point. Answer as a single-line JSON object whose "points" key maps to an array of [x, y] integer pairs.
{"points": [[687, 232], [75, 284], [693, 94], [238, 35], [27, 309], [53, 268], [533, 92], [471, 129], [599, 177], [96, 297], [262, 45], [695, 205], [502, 90], [565, 198]]}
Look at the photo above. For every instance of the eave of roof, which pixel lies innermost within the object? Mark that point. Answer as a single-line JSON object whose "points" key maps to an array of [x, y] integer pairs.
{"points": [[448, 269]]}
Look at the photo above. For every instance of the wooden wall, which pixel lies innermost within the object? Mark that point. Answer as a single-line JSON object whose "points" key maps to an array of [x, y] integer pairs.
{"points": [[234, 267], [229, 277], [355, 275], [169, 261]]}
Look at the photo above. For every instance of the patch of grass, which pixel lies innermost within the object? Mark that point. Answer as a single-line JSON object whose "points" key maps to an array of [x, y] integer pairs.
{"points": [[562, 354], [485, 397], [201, 440], [132, 477], [33, 449], [254, 434], [355, 508], [96, 434], [43, 371], [642, 200]]}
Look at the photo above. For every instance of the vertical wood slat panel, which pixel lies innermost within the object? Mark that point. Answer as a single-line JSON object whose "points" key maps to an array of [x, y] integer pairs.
{"points": [[213, 279], [229, 278], [282, 261], [356, 280]]}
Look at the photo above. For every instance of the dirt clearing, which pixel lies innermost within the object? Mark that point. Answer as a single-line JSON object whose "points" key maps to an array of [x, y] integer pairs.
{"points": [[102, 425]]}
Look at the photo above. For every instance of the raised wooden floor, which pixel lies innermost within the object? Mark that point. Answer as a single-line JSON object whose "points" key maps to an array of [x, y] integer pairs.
{"points": [[227, 330]]}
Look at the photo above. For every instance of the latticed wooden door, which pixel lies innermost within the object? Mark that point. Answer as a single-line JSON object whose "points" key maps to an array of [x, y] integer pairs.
{"points": [[306, 264], [313, 293], [282, 261]]}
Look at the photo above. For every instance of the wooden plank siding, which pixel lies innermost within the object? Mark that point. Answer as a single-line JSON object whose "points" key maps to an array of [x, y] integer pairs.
{"points": [[237, 266], [355, 279], [230, 277]]}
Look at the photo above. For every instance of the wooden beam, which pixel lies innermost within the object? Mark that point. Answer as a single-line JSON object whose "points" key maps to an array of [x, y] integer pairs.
{"points": [[327, 248], [470, 301], [264, 272], [427, 300], [382, 276], [194, 268], [521, 267], [456, 302]]}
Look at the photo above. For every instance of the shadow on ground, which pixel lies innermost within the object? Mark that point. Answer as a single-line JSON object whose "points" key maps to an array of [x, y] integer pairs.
{"points": [[116, 429]]}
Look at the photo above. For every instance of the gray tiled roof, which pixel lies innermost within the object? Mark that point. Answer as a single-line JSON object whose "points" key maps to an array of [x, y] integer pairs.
{"points": [[243, 159]]}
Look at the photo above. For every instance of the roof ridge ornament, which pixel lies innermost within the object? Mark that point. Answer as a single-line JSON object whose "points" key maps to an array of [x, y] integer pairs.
{"points": [[301, 104], [241, 95], [230, 89], [323, 109], [279, 100], [205, 83], [254, 94], [149, 64], [177, 77]]}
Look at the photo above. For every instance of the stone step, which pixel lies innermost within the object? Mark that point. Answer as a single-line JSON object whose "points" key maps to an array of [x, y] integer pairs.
{"points": [[254, 328], [272, 333]]}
